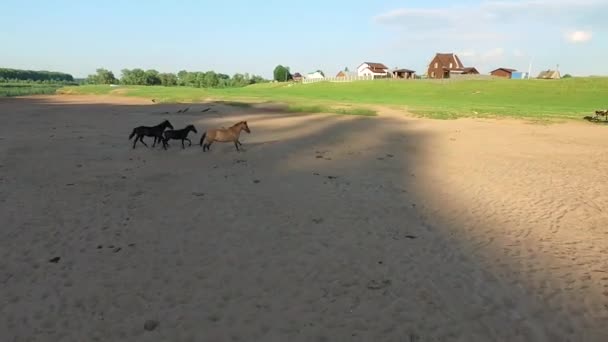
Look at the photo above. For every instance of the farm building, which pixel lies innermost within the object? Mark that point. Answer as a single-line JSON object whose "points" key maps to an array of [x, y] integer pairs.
{"points": [[549, 74], [503, 72], [519, 75], [344, 74], [372, 69], [403, 73], [314, 75], [297, 77], [445, 64]]}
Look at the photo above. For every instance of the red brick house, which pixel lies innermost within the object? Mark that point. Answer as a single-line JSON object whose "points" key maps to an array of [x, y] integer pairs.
{"points": [[502, 72], [445, 64]]}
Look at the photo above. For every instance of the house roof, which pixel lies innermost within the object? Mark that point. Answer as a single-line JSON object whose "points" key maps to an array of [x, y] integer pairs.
{"points": [[446, 58], [462, 70], [297, 74], [376, 65], [504, 69], [346, 73], [549, 74]]}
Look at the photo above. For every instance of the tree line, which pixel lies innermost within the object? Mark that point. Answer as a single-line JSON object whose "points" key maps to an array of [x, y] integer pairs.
{"points": [[43, 76], [198, 79]]}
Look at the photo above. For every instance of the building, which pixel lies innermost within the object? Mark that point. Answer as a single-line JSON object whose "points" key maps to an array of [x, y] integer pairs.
{"points": [[403, 73], [373, 69], [297, 77], [503, 72], [344, 74], [549, 75], [519, 75], [445, 64], [314, 75]]}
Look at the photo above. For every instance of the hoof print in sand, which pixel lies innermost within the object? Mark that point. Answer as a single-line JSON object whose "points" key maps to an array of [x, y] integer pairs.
{"points": [[150, 325], [55, 260], [317, 220], [378, 285], [198, 194], [256, 181]]}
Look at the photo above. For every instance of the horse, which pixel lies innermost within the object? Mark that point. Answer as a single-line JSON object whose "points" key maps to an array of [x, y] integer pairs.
{"points": [[178, 134], [146, 131], [231, 133]]}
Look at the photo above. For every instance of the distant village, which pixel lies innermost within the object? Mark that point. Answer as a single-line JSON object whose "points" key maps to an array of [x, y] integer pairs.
{"points": [[442, 66]]}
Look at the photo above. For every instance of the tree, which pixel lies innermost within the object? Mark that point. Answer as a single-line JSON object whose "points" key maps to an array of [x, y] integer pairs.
{"points": [[102, 76], [567, 76], [151, 77], [168, 79], [133, 77], [210, 80], [281, 73], [346, 69]]}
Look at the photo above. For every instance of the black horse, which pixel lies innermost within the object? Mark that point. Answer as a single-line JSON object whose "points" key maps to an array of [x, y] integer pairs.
{"points": [[146, 131], [178, 134]]}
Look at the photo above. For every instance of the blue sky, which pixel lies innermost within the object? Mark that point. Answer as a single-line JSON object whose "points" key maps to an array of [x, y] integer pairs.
{"points": [[254, 36]]}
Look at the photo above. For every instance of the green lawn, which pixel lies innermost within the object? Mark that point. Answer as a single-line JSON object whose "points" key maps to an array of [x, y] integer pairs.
{"points": [[23, 89], [536, 99]]}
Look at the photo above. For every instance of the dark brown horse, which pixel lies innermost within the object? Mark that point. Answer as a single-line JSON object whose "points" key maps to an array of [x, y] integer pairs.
{"points": [[178, 134], [147, 131]]}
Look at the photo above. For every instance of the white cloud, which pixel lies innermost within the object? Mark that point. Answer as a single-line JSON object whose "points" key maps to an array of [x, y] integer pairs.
{"points": [[578, 36], [495, 20], [518, 53]]}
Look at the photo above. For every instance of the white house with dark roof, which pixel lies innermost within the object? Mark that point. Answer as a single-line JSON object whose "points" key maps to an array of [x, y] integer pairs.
{"points": [[372, 69]]}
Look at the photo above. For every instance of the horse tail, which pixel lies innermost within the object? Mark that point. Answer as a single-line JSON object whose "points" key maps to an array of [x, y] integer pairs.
{"points": [[203, 138], [132, 134]]}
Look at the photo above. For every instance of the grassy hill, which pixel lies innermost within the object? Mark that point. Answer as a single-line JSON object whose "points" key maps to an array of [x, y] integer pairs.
{"points": [[565, 98]]}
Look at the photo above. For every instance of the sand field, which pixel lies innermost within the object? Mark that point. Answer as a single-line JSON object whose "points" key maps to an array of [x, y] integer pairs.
{"points": [[325, 228]]}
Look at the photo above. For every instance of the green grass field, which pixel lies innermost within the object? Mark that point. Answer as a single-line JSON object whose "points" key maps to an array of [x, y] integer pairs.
{"points": [[532, 99], [23, 89]]}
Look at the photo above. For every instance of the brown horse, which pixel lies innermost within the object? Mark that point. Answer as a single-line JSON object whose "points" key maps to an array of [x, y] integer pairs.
{"points": [[231, 133], [599, 113]]}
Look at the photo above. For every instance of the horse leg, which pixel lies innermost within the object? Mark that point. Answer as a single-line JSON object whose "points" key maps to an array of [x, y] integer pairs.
{"points": [[154, 144], [189, 142], [135, 141], [236, 145], [141, 138], [183, 147]]}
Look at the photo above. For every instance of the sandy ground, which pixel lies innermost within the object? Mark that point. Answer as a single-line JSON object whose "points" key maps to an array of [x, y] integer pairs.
{"points": [[326, 228]]}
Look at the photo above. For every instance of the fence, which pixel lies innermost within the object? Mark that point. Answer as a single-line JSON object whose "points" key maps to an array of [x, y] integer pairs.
{"points": [[339, 79], [452, 78]]}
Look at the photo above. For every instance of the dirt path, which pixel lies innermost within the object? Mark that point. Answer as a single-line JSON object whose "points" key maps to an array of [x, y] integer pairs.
{"points": [[327, 228]]}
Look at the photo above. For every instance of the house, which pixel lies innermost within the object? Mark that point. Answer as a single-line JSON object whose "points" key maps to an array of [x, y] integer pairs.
{"points": [[372, 69], [314, 75], [297, 77], [403, 73], [502, 72], [549, 74], [344, 74], [445, 64]]}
